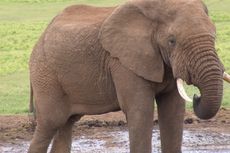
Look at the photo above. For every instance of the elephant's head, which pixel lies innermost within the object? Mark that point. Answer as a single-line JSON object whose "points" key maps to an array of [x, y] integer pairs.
{"points": [[146, 34]]}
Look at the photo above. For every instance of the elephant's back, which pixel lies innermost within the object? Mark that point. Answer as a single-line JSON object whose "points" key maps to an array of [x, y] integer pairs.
{"points": [[72, 36], [82, 15]]}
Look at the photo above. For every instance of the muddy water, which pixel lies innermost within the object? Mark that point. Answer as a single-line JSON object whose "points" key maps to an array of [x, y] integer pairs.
{"points": [[116, 141]]}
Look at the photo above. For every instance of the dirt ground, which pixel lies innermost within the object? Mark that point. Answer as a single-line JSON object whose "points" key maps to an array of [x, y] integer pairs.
{"points": [[19, 127]]}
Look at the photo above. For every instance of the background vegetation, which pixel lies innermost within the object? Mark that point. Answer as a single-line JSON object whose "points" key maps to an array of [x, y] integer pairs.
{"points": [[23, 21]]}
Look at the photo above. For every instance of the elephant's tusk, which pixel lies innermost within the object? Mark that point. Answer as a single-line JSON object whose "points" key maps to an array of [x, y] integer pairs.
{"points": [[181, 90], [226, 77]]}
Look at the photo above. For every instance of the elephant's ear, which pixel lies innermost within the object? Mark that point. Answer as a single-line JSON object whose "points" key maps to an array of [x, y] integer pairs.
{"points": [[126, 34]]}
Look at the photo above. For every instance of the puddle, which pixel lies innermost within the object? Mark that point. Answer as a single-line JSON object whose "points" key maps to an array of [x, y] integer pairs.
{"points": [[117, 141]]}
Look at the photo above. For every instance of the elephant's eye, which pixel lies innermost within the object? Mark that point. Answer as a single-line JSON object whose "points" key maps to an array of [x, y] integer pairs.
{"points": [[172, 41]]}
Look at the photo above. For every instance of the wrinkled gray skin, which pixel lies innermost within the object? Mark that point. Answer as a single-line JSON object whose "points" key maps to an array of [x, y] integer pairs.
{"points": [[97, 60]]}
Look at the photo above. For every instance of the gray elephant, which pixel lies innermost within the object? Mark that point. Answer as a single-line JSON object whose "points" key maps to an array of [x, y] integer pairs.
{"points": [[93, 60]]}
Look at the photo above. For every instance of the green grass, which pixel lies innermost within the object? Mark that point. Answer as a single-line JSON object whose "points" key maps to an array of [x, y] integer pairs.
{"points": [[17, 40], [23, 21], [219, 11], [14, 91]]}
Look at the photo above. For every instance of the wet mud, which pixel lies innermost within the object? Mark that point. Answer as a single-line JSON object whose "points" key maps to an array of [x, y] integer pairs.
{"points": [[114, 140], [109, 134]]}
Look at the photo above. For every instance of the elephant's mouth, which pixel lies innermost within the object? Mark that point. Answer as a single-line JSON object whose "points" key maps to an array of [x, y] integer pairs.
{"points": [[182, 92]]}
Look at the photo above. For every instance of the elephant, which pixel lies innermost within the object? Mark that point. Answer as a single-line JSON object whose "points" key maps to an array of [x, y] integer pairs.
{"points": [[94, 60]]}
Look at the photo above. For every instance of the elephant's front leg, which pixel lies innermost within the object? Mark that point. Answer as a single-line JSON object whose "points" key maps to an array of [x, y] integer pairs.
{"points": [[171, 108], [135, 97], [140, 124]]}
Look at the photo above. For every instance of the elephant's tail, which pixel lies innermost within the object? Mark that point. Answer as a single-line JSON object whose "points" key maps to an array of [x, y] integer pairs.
{"points": [[31, 99], [32, 111]]}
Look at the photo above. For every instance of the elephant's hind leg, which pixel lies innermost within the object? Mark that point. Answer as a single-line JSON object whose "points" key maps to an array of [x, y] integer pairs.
{"points": [[48, 122], [52, 111], [41, 139], [63, 138]]}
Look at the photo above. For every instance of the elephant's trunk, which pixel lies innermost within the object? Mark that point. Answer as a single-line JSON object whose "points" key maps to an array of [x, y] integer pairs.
{"points": [[211, 89], [206, 72]]}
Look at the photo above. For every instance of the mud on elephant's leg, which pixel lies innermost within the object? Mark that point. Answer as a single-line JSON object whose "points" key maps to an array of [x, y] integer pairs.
{"points": [[171, 108], [135, 96], [63, 138]]}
